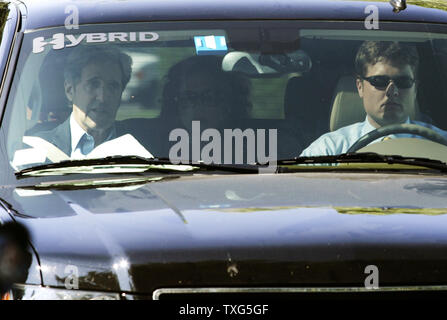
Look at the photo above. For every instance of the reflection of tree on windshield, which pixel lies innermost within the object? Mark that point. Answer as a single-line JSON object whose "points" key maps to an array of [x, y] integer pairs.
{"points": [[15, 259], [4, 11], [434, 4]]}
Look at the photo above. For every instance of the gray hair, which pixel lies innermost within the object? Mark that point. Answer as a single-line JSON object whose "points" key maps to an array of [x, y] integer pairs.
{"points": [[81, 56]]}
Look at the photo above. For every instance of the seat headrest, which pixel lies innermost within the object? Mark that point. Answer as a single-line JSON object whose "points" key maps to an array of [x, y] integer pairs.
{"points": [[54, 100], [347, 106]]}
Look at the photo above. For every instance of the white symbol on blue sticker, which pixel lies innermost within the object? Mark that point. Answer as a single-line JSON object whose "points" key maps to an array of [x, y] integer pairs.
{"points": [[210, 45]]}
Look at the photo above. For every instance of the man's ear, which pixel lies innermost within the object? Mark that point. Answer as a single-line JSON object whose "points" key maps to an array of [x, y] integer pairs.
{"points": [[69, 90], [359, 84]]}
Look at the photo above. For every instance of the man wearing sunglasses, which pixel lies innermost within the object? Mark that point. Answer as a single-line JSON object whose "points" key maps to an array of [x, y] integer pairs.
{"points": [[386, 82]]}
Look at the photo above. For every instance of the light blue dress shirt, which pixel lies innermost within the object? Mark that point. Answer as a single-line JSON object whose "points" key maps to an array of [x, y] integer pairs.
{"points": [[77, 137], [339, 141]]}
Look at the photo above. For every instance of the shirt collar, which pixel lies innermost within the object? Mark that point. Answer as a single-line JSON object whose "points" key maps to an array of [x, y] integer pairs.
{"points": [[77, 132], [368, 127]]}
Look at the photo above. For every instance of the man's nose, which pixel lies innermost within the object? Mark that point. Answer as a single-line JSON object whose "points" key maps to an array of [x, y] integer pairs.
{"points": [[392, 90], [100, 92]]}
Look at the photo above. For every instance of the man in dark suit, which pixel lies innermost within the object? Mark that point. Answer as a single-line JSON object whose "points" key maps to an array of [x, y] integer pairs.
{"points": [[95, 77]]}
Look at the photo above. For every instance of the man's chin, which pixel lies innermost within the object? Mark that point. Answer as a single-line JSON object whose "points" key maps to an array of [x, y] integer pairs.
{"points": [[98, 128], [100, 123], [392, 118]]}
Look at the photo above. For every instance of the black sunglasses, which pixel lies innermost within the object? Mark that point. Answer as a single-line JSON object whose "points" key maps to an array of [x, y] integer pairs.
{"points": [[382, 82]]}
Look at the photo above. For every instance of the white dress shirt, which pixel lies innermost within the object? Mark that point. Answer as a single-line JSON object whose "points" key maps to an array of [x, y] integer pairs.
{"points": [[77, 132]]}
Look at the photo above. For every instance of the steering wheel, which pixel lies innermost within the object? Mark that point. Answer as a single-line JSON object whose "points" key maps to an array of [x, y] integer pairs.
{"points": [[395, 129]]}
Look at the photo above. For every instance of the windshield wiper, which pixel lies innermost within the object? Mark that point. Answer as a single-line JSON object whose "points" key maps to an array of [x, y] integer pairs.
{"points": [[367, 157], [235, 168], [153, 164]]}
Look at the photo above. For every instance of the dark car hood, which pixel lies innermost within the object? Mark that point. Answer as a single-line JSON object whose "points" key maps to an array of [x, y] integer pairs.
{"points": [[241, 230]]}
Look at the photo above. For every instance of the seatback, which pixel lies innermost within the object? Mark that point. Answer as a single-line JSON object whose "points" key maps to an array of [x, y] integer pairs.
{"points": [[55, 106], [347, 106], [306, 105]]}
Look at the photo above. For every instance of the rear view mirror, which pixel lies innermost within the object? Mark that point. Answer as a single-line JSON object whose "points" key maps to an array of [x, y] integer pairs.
{"points": [[258, 64]]}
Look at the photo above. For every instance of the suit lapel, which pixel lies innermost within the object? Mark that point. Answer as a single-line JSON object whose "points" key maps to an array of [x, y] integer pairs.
{"points": [[62, 137]]}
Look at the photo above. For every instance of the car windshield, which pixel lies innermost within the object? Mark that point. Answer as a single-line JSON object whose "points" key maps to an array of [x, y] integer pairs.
{"points": [[228, 92]]}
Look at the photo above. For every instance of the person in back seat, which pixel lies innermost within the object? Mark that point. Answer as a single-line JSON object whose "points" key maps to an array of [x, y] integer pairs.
{"points": [[198, 89]]}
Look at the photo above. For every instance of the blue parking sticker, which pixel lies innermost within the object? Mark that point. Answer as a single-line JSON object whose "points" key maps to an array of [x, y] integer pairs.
{"points": [[210, 45]]}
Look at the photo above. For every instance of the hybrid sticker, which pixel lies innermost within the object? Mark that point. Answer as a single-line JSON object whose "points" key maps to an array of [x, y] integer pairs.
{"points": [[210, 45], [60, 40]]}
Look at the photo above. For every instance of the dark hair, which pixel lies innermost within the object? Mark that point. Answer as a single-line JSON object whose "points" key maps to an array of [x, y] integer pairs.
{"points": [[81, 56], [371, 52], [238, 86]]}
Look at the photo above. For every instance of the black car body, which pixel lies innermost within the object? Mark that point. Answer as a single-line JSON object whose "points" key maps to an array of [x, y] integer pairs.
{"points": [[301, 231]]}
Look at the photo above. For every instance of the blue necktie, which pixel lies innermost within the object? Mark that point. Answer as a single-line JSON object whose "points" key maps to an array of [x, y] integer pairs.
{"points": [[86, 144]]}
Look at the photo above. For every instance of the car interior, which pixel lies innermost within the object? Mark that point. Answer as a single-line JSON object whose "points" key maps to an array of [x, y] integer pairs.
{"points": [[313, 94]]}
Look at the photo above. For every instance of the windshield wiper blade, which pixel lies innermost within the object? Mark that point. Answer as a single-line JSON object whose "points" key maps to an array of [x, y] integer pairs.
{"points": [[107, 161], [236, 168], [135, 160], [368, 157]]}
